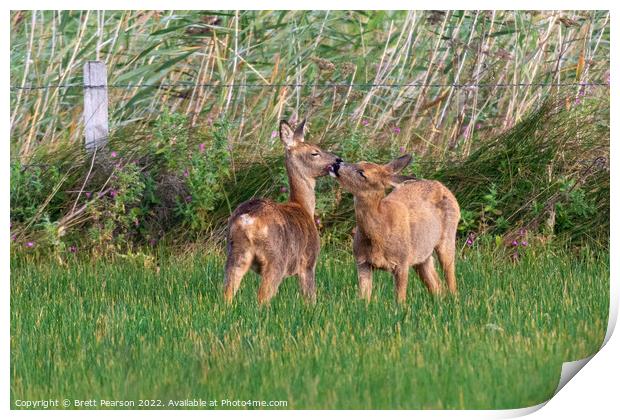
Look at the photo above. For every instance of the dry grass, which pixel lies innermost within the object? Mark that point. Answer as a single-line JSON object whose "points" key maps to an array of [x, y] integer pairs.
{"points": [[254, 49]]}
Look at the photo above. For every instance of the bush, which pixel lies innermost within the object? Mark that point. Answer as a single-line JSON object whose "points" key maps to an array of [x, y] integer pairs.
{"points": [[549, 172]]}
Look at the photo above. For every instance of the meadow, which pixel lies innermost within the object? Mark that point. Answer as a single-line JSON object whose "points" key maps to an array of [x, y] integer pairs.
{"points": [[124, 330]]}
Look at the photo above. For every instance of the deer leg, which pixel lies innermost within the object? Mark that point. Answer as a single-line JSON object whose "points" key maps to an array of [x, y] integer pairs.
{"points": [[307, 284], [445, 253], [271, 279], [429, 276], [237, 264], [364, 276], [401, 278]]}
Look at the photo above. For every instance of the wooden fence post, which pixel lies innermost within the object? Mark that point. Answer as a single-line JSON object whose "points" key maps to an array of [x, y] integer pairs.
{"points": [[95, 105]]}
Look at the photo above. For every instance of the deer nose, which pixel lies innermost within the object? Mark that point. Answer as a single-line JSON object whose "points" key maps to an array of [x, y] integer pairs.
{"points": [[338, 160]]}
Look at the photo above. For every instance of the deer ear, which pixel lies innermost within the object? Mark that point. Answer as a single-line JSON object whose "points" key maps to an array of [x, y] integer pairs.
{"points": [[299, 131], [398, 164], [397, 180], [286, 134]]}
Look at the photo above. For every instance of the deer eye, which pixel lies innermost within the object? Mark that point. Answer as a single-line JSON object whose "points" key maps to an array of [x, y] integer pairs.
{"points": [[315, 153], [359, 171]]}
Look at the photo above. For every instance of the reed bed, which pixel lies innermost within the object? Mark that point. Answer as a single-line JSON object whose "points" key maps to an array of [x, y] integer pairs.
{"points": [[392, 71]]}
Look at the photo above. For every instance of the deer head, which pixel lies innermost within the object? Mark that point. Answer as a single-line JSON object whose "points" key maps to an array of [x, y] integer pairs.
{"points": [[304, 159], [370, 178], [304, 163]]}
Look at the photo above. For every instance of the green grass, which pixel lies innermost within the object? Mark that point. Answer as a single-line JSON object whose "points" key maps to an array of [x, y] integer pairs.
{"points": [[117, 329]]}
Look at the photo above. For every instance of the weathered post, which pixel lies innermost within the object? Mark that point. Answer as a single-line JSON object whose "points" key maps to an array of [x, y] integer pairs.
{"points": [[95, 105]]}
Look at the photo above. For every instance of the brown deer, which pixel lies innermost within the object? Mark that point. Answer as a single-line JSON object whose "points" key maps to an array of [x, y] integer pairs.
{"points": [[278, 240], [400, 229]]}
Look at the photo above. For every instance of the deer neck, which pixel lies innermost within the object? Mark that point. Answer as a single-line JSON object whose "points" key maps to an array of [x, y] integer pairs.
{"points": [[368, 213], [302, 189]]}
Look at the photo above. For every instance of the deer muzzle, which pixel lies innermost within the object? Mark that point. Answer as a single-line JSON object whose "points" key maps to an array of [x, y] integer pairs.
{"points": [[334, 168]]}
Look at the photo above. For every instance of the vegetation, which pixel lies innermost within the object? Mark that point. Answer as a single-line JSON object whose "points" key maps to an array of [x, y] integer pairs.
{"points": [[258, 49], [548, 176], [158, 329], [185, 155]]}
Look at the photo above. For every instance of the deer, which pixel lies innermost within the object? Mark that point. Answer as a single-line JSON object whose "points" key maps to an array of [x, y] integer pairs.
{"points": [[401, 229], [280, 239]]}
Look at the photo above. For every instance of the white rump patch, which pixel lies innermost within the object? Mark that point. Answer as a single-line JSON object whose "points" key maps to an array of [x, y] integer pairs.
{"points": [[246, 220]]}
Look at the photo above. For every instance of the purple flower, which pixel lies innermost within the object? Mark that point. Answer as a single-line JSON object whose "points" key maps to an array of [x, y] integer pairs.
{"points": [[317, 221], [478, 126], [469, 242], [113, 193], [274, 134], [402, 149], [88, 194], [13, 237], [522, 232], [29, 244], [113, 154], [73, 249], [283, 189], [515, 243], [524, 243], [185, 173], [201, 147], [365, 123], [396, 130]]}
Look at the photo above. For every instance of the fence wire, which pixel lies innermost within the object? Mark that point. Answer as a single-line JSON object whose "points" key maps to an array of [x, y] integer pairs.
{"points": [[129, 86]]}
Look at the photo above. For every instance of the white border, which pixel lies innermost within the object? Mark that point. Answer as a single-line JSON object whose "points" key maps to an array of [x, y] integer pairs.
{"points": [[594, 393]]}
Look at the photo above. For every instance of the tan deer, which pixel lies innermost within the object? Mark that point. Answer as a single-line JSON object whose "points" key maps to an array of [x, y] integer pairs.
{"points": [[400, 229], [280, 239]]}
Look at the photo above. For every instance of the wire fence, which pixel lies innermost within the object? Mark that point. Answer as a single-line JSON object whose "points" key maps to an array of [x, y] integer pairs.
{"points": [[130, 86], [583, 85]]}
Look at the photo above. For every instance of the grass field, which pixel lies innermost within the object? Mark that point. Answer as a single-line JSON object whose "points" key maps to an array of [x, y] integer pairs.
{"points": [[120, 329]]}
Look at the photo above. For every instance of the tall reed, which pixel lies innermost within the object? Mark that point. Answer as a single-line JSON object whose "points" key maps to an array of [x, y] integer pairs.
{"points": [[230, 61]]}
